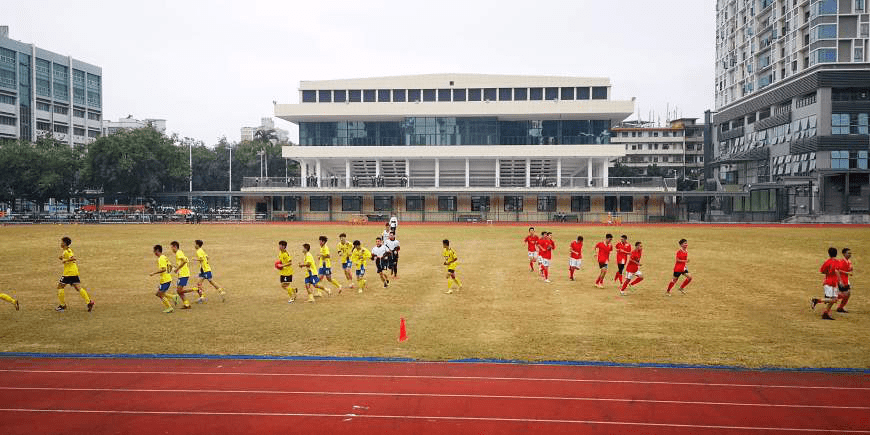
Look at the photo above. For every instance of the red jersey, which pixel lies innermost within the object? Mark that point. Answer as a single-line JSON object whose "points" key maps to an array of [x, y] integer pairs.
{"points": [[532, 242], [635, 256], [831, 268], [576, 250], [845, 266], [622, 251], [546, 248], [603, 252], [680, 264]]}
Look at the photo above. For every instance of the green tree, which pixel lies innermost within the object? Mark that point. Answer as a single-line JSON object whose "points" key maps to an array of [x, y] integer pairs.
{"points": [[39, 170]]}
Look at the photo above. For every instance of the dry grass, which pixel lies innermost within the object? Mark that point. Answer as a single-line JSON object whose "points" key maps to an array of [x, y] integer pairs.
{"points": [[747, 306]]}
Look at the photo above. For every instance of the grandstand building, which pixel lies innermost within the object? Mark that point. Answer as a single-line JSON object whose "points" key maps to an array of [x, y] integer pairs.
{"points": [[455, 147], [45, 93]]}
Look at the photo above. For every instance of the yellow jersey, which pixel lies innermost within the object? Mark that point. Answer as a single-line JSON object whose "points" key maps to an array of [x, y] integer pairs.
{"points": [[325, 258], [69, 268], [163, 263], [309, 261], [184, 272], [360, 257], [284, 258], [203, 260], [344, 250], [450, 258]]}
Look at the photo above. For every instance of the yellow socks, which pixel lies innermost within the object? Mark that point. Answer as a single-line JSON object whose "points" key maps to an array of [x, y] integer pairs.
{"points": [[165, 301], [7, 298], [84, 294], [456, 280], [334, 282], [291, 292], [61, 296]]}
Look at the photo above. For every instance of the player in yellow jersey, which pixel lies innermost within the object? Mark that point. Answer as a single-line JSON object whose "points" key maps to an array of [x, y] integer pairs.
{"points": [[205, 274], [324, 272], [344, 249], [359, 256], [182, 269], [311, 280], [11, 300], [451, 262], [285, 271], [165, 278], [70, 276]]}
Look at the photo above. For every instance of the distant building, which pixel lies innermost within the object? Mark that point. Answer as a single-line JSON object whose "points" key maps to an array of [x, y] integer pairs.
{"points": [[677, 148], [130, 123], [42, 92], [248, 133]]}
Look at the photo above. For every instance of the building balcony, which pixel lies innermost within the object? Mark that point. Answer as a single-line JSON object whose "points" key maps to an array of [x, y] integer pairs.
{"points": [[9, 108], [9, 130], [424, 184]]}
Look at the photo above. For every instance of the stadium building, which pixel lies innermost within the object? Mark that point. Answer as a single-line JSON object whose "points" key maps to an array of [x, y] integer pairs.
{"points": [[462, 147], [792, 93], [45, 93]]}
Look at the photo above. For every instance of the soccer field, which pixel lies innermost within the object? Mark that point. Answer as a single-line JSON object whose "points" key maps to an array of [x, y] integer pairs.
{"points": [[748, 304]]}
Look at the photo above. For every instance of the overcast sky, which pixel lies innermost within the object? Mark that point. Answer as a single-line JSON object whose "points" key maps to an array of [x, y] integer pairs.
{"points": [[212, 67]]}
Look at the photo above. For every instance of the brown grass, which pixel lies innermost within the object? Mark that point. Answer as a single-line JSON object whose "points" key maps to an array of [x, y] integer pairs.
{"points": [[748, 305]]}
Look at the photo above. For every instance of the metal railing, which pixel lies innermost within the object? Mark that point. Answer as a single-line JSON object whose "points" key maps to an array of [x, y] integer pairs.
{"points": [[392, 182]]}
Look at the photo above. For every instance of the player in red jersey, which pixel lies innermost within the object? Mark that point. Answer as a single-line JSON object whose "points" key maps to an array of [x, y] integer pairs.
{"points": [[845, 287], [631, 269], [623, 248], [540, 249], [603, 250], [831, 269], [531, 242], [681, 267], [575, 259], [546, 252]]}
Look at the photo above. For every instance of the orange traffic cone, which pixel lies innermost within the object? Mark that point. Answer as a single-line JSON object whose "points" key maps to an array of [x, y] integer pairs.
{"points": [[403, 333]]}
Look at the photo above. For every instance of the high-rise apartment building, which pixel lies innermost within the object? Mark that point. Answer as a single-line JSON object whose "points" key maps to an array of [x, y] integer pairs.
{"points": [[792, 92], [45, 93]]}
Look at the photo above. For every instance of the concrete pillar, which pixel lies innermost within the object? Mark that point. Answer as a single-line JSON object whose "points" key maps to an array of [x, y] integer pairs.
{"points": [[317, 172], [437, 172], [558, 172], [589, 172], [497, 173], [604, 169], [378, 167], [303, 166], [467, 174], [347, 173], [528, 172]]}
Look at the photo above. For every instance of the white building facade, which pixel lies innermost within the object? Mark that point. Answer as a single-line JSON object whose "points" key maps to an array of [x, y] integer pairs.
{"points": [[678, 148], [130, 123]]}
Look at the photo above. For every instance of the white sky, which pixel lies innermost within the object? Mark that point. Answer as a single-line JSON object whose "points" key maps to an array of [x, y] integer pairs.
{"points": [[212, 67]]}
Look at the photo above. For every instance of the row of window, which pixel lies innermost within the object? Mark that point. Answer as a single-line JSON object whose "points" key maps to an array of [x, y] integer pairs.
{"points": [[645, 133], [848, 160], [453, 95], [449, 203], [845, 123], [64, 110]]}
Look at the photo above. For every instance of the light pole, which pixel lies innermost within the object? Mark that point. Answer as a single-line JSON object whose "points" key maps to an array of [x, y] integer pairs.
{"points": [[190, 173]]}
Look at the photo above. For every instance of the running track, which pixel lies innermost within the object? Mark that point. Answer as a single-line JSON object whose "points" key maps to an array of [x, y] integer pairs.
{"points": [[223, 396]]}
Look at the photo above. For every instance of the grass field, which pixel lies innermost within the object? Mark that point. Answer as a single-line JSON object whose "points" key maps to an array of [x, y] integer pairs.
{"points": [[748, 304]]}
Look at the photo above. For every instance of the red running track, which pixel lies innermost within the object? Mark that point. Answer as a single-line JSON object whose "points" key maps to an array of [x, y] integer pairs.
{"points": [[224, 396]]}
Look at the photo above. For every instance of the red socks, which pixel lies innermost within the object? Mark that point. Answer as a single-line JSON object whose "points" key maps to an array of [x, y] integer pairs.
{"points": [[843, 301], [637, 280], [685, 283], [571, 272], [671, 285], [546, 271], [532, 266]]}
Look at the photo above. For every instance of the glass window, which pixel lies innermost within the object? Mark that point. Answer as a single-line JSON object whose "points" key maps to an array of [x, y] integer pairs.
{"points": [[339, 96], [521, 94], [325, 96], [824, 55], [567, 94], [505, 94], [840, 123], [428, 94], [459, 95], [580, 204], [479, 203], [610, 203], [546, 203], [489, 94], [319, 203], [350, 203], [415, 203], [383, 95], [551, 93], [583, 93], [369, 95], [446, 203], [862, 160], [862, 123], [289, 203], [599, 92], [513, 203], [399, 95], [414, 95], [536, 94], [839, 160], [475, 94], [626, 203], [383, 203], [277, 203], [444, 95], [354, 95], [824, 31], [309, 96]]}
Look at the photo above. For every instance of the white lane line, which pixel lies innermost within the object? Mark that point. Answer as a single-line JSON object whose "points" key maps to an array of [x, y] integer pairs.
{"points": [[439, 395], [435, 417], [462, 378]]}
